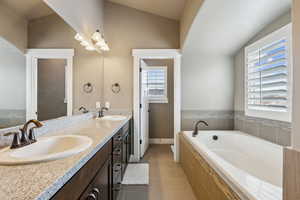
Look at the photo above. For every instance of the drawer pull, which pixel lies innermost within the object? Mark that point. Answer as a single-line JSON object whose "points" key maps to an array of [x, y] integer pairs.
{"points": [[91, 196], [119, 138], [118, 165], [117, 152], [96, 191], [117, 187]]}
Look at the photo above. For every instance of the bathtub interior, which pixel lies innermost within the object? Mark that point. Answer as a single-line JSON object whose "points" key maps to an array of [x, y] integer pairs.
{"points": [[256, 157]]}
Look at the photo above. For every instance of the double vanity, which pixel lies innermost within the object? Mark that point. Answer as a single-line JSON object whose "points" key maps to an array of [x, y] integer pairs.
{"points": [[86, 161]]}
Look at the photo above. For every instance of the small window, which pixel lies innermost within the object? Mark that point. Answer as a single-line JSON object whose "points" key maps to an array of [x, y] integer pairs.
{"points": [[155, 84], [268, 76]]}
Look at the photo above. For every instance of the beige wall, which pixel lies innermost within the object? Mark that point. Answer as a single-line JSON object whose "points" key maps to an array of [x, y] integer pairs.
{"points": [[13, 28], [296, 75], [125, 29], [53, 32], [161, 116], [291, 167], [189, 13]]}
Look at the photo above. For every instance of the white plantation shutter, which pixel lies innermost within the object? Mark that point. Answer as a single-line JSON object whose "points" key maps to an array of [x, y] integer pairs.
{"points": [[268, 76], [154, 80]]}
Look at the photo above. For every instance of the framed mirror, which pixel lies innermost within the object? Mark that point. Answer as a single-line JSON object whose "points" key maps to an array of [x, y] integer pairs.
{"points": [[34, 85]]}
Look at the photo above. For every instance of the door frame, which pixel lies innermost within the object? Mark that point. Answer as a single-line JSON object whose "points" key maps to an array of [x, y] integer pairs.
{"points": [[32, 55], [138, 55]]}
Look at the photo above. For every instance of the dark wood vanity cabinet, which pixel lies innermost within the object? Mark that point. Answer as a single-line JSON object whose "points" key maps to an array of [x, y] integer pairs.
{"points": [[99, 188], [101, 177], [117, 152]]}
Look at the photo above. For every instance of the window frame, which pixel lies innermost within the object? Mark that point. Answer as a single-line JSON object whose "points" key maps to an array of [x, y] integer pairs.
{"points": [[163, 98], [284, 32]]}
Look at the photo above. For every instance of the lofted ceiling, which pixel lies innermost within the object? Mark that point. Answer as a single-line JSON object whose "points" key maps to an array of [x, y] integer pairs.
{"points": [[30, 9], [223, 27], [166, 8]]}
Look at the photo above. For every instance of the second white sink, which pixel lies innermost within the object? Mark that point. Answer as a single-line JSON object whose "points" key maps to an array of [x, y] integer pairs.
{"points": [[113, 117], [46, 149]]}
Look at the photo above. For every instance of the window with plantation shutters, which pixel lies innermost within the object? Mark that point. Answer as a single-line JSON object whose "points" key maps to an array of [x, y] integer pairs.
{"points": [[268, 76], [154, 84]]}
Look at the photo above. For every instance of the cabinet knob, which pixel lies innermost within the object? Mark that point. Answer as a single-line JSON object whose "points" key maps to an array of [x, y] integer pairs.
{"points": [[117, 187], [91, 196], [119, 138], [117, 152], [96, 192]]}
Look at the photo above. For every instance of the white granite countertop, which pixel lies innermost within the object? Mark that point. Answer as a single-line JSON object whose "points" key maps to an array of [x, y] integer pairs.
{"points": [[41, 181]]}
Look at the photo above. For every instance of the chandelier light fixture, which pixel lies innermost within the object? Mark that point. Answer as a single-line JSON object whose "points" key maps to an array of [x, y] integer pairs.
{"points": [[99, 41], [96, 43]]}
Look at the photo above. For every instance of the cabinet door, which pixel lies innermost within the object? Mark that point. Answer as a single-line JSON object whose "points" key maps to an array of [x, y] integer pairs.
{"points": [[124, 154], [79, 183], [100, 187], [128, 148]]}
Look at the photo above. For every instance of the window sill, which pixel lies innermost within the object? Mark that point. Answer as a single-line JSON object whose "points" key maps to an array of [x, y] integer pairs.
{"points": [[158, 101], [272, 115]]}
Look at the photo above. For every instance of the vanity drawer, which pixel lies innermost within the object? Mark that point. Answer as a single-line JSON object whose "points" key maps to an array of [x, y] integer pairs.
{"points": [[73, 189], [116, 182], [117, 156], [117, 139], [100, 187]]}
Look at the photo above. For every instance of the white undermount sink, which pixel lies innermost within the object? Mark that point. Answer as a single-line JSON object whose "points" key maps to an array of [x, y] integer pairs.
{"points": [[46, 149], [113, 117]]}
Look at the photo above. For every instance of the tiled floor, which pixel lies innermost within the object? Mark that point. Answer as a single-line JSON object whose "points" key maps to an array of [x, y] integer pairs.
{"points": [[167, 178]]}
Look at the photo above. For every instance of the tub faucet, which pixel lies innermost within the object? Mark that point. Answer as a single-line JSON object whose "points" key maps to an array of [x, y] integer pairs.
{"points": [[195, 132]]}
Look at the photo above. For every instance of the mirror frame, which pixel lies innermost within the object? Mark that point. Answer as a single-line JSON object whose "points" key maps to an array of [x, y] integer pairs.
{"points": [[32, 56]]}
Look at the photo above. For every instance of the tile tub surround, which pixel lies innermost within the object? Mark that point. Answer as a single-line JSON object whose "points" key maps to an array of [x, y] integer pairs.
{"points": [[41, 181], [49, 126], [274, 131], [217, 120]]}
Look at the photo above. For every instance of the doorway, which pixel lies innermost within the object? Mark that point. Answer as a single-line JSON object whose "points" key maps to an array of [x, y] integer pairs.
{"points": [[149, 59], [49, 75], [157, 96], [51, 90]]}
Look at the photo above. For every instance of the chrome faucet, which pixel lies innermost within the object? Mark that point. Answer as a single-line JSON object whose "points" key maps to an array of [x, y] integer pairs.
{"points": [[101, 111], [83, 109], [26, 138], [195, 132]]}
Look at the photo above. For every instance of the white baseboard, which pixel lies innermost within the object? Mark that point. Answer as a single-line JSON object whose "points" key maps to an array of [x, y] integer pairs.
{"points": [[133, 159], [161, 141]]}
